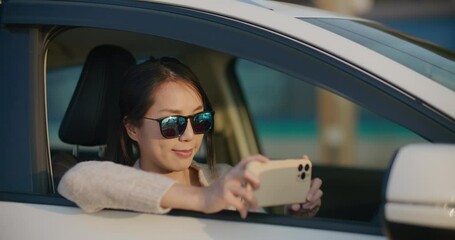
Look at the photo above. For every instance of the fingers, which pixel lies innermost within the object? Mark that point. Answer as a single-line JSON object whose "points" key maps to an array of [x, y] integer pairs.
{"points": [[308, 209], [240, 173], [249, 201], [242, 199], [314, 195], [238, 204], [234, 182], [307, 205], [311, 205], [313, 200], [295, 207], [252, 179], [315, 187]]}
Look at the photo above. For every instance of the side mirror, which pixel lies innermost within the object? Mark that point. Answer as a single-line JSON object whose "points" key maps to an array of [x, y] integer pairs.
{"points": [[420, 193]]}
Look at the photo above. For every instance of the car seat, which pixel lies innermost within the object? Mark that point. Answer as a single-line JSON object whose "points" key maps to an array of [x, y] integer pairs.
{"points": [[93, 110]]}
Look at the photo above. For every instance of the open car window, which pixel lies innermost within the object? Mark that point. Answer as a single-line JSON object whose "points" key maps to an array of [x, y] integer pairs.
{"points": [[350, 146], [292, 117]]}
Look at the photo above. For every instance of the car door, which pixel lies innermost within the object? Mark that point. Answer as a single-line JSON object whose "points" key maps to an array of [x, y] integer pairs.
{"points": [[32, 27]]}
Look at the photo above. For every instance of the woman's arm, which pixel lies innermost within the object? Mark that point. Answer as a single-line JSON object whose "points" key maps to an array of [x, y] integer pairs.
{"points": [[228, 191], [96, 185]]}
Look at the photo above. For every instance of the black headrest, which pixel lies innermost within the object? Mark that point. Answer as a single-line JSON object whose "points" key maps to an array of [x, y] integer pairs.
{"points": [[93, 109]]}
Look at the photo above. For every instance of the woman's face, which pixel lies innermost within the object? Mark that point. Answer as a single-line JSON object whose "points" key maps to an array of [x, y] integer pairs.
{"points": [[159, 154]]}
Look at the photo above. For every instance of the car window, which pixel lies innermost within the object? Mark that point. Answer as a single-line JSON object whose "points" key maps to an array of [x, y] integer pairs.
{"points": [[293, 118], [65, 63], [349, 146], [290, 118]]}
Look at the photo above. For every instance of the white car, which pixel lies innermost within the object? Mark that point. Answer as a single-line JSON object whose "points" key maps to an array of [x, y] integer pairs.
{"points": [[374, 110]]}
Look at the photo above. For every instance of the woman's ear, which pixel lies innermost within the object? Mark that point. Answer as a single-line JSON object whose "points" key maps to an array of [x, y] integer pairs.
{"points": [[131, 129]]}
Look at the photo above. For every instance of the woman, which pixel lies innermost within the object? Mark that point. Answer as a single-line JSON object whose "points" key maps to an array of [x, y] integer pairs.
{"points": [[165, 114]]}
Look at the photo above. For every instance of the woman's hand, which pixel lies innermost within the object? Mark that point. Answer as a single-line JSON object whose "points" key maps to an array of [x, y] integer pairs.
{"points": [[230, 190], [312, 202]]}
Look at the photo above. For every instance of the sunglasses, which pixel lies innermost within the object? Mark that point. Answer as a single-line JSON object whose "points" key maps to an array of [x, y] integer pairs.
{"points": [[175, 126]]}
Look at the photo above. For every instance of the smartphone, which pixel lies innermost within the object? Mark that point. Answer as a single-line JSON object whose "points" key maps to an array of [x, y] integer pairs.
{"points": [[282, 181]]}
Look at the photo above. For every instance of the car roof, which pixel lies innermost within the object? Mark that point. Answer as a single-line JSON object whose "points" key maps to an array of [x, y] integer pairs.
{"points": [[294, 10], [256, 8], [281, 18]]}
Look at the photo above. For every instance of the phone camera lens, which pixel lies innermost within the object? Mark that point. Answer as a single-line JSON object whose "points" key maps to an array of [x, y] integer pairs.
{"points": [[303, 176]]}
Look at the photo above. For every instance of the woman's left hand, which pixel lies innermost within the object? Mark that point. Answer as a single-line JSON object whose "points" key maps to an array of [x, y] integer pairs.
{"points": [[312, 202]]}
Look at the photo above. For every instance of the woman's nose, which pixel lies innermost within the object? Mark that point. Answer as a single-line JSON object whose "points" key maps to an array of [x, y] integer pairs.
{"points": [[188, 134]]}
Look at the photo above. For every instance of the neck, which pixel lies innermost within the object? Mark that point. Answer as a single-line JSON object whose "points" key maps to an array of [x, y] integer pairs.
{"points": [[187, 176], [180, 176]]}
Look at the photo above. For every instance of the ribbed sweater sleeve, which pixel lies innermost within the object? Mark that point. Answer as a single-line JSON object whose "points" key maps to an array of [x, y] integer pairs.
{"points": [[96, 185]]}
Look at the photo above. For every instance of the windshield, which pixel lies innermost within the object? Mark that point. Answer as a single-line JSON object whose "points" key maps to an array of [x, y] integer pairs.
{"points": [[423, 57]]}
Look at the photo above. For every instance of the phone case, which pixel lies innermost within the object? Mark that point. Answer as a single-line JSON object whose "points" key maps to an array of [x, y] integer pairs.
{"points": [[282, 181]]}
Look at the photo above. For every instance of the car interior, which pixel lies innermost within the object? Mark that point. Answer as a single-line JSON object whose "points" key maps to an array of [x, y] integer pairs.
{"points": [[91, 116], [97, 85], [94, 60]]}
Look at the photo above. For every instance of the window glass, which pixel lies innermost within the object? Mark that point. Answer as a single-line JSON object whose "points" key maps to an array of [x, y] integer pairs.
{"points": [[297, 118]]}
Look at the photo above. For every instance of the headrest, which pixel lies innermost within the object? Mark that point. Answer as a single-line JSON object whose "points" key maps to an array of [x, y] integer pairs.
{"points": [[93, 109]]}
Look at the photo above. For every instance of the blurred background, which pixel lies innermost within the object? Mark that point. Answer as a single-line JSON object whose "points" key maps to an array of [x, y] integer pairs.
{"points": [[330, 129]]}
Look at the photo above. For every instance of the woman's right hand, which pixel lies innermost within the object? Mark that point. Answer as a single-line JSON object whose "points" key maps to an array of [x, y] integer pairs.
{"points": [[229, 190]]}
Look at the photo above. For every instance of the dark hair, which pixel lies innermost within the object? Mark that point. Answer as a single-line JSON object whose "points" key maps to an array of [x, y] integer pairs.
{"points": [[141, 82]]}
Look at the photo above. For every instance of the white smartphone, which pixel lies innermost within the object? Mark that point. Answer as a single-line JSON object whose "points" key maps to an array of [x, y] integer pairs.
{"points": [[282, 181]]}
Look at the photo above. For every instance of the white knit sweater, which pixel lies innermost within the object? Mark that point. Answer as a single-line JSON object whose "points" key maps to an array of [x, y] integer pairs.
{"points": [[97, 185]]}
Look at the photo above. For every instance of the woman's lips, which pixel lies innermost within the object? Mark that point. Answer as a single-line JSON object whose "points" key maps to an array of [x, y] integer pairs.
{"points": [[184, 153]]}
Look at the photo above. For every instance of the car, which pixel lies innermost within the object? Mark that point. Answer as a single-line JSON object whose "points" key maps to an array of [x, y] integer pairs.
{"points": [[373, 108]]}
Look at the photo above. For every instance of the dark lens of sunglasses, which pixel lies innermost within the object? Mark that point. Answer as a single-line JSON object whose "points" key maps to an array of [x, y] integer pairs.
{"points": [[173, 126], [202, 122]]}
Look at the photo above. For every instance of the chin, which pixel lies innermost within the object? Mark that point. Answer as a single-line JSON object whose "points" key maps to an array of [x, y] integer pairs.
{"points": [[182, 164]]}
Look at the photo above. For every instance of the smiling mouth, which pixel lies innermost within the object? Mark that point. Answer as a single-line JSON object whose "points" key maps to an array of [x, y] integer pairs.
{"points": [[184, 153]]}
